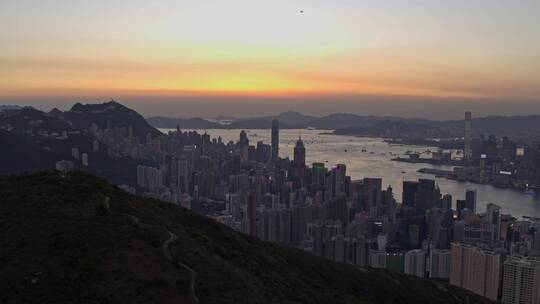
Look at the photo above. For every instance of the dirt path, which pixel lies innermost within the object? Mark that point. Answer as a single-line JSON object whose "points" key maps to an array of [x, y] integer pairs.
{"points": [[167, 252]]}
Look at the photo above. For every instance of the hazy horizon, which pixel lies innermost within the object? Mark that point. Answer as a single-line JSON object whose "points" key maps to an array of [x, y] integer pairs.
{"points": [[240, 107]]}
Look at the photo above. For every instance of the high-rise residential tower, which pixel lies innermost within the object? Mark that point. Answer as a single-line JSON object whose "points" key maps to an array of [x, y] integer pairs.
{"points": [[521, 281], [439, 263], [475, 269], [415, 262], [252, 213]]}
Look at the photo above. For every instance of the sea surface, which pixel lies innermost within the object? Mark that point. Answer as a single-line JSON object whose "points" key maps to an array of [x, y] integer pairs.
{"points": [[376, 162]]}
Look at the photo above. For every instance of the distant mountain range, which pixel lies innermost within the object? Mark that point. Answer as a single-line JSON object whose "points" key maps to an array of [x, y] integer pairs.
{"points": [[8, 107], [184, 123], [74, 238], [287, 120], [521, 127]]}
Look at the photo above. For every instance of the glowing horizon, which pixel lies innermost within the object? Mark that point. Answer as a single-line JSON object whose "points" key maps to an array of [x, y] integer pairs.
{"points": [[485, 49]]}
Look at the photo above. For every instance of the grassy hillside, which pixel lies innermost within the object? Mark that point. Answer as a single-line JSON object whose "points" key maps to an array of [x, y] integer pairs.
{"points": [[78, 239]]}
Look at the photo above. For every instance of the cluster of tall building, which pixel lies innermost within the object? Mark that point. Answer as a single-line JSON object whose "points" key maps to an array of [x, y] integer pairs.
{"points": [[69, 165], [482, 271], [498, 161], [121, 141], [322, 210], [149, 178]]}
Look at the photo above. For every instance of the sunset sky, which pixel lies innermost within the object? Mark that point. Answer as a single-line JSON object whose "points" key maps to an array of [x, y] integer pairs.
{"points": [[481, 49]]}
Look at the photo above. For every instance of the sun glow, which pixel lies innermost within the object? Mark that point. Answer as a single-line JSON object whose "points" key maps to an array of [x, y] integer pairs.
{"points": [[266, 48]]}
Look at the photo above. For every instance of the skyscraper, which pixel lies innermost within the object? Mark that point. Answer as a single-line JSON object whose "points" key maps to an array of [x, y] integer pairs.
{"points": [[299, 154], [183, 175], [521, 281], [377, 258], [372, 192], [446, 202], [299, 164], [243, 141], [467, 139], [475, 269], [410, 191], [493, 217], [336, 209], [415, 262], [470, 200], [243, 145], [252, 213], [318, 174], [439, 263], [275, 140], [428, 195], [337, 175]]}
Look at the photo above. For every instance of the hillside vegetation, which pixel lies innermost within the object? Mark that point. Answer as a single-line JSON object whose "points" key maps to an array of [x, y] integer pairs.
{"points": [[77, 239]]}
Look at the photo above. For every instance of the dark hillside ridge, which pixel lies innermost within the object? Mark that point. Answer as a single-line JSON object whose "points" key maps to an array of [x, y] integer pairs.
{"points": [[112, 114], [20, 156], [33, 140], [35, 120], [75, 238]]}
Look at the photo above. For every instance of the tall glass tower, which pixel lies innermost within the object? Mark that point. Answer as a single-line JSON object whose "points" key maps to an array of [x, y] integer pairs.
{"points": [[275, 140]]}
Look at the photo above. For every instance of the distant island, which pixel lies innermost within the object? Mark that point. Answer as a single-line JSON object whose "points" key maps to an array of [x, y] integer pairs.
{"points": [[407, 130]]}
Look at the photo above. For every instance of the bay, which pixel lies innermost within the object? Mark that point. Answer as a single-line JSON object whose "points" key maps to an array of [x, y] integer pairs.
{"points": [[376, 162]]}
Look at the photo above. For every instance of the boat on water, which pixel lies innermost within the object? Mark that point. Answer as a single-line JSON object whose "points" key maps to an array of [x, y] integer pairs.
{"points": [[311, 128]]}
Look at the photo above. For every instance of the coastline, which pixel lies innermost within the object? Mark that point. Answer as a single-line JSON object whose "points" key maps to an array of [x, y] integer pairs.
{"points": [[451, 176]]}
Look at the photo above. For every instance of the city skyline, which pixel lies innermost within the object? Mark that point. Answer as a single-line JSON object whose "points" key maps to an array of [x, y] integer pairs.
{"points": [[358, 54], [361, 201], [255, 151]]}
